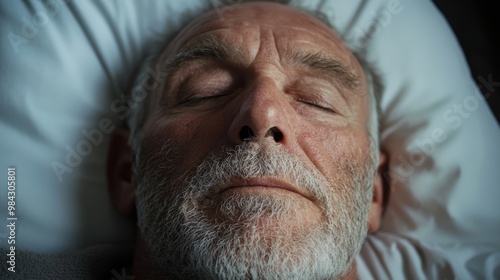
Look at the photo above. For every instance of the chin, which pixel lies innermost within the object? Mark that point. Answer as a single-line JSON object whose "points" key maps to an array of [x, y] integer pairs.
{"points": [[274, 212]]}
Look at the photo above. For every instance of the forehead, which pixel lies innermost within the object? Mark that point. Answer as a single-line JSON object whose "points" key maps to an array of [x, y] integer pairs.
{"points": [[248, 26]]}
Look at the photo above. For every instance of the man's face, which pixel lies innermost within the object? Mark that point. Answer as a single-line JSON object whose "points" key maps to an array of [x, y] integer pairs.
{"points": [[256, 158]]}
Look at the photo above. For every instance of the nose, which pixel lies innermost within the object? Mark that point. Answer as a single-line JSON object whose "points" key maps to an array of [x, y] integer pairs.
{"points": [[263, 114]]}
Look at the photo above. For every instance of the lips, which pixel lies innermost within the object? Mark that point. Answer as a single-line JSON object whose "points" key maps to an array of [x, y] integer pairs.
{"points": [[261, 183]]}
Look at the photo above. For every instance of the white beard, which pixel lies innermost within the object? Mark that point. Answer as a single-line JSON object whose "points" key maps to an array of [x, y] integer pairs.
{"points": [[191, 236]]}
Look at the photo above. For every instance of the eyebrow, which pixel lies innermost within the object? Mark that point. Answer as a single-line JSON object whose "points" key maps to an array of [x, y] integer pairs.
{"points": [[218, 50], [326, 66], [209, 49]]}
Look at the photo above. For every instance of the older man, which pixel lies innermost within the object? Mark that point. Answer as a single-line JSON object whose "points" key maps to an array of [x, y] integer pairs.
{"points": [[257, 157]]}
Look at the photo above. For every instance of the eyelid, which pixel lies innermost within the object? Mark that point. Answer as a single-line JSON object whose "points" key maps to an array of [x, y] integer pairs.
{"points": [[191, 97], [194, 99], [314, 97], [205, 84], [319, 105], [197, 100]]}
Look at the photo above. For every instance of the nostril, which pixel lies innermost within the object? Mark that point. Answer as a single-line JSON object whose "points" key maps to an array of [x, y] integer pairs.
{"points": [[246, 134], [276, 133]]}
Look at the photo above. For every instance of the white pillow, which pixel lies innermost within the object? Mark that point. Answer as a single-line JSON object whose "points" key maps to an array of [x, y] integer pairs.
{"points": [[66, 63]]}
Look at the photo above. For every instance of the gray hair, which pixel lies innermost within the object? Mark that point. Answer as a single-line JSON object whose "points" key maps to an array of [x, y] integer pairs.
{"points": [[139, 107]]}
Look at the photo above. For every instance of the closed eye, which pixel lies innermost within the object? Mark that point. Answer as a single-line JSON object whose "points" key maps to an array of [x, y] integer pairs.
{"points": [[198, 100], [316, 105]]}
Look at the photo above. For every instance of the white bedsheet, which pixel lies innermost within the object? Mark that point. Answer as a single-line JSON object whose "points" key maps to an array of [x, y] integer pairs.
{"points": [[65, 63]]}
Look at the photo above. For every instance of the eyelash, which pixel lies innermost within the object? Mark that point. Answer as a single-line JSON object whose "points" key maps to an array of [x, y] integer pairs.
{"points": [[315, 105], [208, 96], [197, 100]]}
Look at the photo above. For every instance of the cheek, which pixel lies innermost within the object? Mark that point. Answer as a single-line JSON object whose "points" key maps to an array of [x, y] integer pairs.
{"points": [[331, 149], [193, 137]]}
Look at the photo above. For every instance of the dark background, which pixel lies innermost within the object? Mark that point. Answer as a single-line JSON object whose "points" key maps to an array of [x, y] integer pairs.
{"points": [[477, 28]]}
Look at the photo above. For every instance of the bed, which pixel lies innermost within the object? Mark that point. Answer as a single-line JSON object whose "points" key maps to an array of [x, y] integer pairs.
{"points": [[66, 66]]}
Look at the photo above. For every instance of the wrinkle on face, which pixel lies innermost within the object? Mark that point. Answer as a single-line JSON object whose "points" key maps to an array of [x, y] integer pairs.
{"points": [[265, 44], [328, 145]]}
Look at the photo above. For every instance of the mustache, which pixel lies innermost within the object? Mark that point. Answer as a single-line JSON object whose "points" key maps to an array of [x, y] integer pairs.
{"points": [[250, 160]]}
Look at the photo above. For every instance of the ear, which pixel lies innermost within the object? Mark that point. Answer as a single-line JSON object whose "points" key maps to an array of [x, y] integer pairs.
{"points": [[121, 186], [377, 204]]}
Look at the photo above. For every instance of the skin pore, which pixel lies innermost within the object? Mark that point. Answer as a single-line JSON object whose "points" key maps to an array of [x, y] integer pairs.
{"points": [[256, 161]]}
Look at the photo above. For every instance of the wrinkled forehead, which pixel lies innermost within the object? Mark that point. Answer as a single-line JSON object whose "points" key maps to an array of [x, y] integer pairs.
{"points": [[243, 26]]}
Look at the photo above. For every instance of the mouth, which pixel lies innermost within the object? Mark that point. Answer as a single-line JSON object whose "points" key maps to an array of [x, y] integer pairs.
{"points": [[254, 186]]}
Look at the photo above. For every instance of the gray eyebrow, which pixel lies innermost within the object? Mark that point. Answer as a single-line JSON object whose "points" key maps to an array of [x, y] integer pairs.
{"points": [[212, 48], [209, 48], [328, 66]]}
